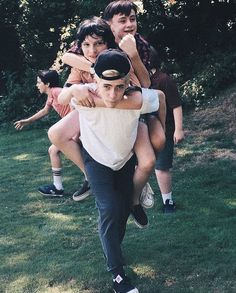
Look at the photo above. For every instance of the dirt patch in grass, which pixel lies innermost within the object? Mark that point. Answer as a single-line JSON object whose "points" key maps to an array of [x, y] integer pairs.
{"points": [[210, 131]]}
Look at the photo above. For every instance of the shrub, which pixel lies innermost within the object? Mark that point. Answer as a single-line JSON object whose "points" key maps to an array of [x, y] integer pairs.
{"points": [[216, 74]]}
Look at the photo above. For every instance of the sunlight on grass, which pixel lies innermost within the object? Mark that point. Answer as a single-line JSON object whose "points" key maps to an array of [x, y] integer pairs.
{"points": [[16, 259], [18, 284], [59, 289], [231, 203], [61, 217], [183, 152], [145, 271], [22, 157], [7, 241]]}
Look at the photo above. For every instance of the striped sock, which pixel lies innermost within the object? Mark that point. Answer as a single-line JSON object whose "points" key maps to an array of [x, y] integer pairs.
{"points": [[57, 178]]}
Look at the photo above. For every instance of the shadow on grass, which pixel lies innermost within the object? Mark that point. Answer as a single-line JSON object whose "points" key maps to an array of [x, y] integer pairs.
{"points": [[51, 245]]}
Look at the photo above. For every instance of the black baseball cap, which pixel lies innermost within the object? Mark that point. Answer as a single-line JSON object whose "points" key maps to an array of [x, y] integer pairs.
{"points": [[112, 59]]}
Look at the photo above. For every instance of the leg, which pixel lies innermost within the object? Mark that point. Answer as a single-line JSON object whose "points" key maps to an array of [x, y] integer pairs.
{"points": [[64, 134], [54, 154], [164, 180], [61, 135], [156, 133], [56, 189], [146, 161], [163, 174], [113, 206]]}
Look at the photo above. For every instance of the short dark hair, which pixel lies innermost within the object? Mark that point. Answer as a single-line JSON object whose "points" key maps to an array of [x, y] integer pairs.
{"points": [[49, 76], [116, 7], [95, 26]]}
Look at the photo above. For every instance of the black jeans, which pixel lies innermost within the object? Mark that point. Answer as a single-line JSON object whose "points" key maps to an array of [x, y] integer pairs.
{"points": [[113, 193]]}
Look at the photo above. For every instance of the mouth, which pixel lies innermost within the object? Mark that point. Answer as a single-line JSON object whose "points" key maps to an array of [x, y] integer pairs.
{"points": [[129, 31]]}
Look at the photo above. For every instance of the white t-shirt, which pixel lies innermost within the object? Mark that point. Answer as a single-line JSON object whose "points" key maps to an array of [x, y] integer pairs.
{"points": [[109, 134]]}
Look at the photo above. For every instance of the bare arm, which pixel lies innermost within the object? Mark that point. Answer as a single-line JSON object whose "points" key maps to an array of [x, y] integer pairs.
{"points": [[84, 96], [76, 61], [40, 114], [178, 117], [80, 93], [162, 108], [128, 45]]}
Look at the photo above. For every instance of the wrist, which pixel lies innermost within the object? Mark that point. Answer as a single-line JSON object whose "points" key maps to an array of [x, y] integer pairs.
{"points": [[91, 69]]}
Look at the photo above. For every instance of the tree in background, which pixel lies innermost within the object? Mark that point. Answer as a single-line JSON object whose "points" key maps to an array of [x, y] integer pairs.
{"points": [[190, 26], [31, 33], [195, 39]]}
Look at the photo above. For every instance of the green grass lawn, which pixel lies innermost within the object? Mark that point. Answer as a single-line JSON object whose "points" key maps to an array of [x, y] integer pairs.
{"points": [[52, 246]]}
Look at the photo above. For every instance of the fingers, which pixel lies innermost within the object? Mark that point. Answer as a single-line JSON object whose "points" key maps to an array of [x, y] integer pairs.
{"points": [[18, 126], [88, 102]]}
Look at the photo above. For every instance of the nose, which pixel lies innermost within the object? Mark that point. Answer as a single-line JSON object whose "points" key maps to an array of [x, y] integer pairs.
{"points": [[93, 51], [128, 23], [112, 94]]}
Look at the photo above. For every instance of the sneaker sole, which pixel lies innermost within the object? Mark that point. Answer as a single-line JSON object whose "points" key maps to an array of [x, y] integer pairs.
{"points": [[81, 197], [147, 206], [131, 291], [139, 225], [51, 195]]}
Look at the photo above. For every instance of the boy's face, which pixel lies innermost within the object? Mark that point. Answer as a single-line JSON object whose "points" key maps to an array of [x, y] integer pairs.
{"points": [[121, 25], [111, 91], [92, 46], [42, 87]]}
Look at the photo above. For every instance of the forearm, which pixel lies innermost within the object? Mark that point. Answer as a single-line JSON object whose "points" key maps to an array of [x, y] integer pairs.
{"points": [[140, 71], [178, 118], [76, 61], [162, 108], [40, 114]]}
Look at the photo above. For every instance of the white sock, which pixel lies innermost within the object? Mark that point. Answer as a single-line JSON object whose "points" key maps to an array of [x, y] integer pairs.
{"points": [[166, 196], [57, 178]]}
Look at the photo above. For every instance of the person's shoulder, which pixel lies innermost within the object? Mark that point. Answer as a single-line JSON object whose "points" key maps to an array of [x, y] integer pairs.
{"points": [[141, 39], [132, 89], [134, 95], [55, 91], [162, 78]]}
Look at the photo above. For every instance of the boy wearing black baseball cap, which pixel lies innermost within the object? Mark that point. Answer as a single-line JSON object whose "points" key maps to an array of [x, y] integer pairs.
{"points": [[108, 123]]}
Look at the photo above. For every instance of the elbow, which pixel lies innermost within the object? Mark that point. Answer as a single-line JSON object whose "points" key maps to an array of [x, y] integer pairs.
{"points": [[145, 82], [65, 58]]}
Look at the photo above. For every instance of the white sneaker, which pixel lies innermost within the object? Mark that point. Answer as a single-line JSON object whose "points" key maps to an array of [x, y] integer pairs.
{"points": [[146, 198]]}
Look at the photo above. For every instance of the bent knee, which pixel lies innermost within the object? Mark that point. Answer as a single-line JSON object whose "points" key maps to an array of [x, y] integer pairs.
{"points": [[53, 150], [55, 135], [147, 164], [158, 142]]}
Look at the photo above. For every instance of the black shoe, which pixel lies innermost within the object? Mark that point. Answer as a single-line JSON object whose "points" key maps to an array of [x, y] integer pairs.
{"points": [[168, 207], [139, 216], [50, 190], [83, 192], [123, 285]]}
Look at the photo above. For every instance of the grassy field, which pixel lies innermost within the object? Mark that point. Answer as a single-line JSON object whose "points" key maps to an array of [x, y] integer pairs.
{"points": [[52, 246]]}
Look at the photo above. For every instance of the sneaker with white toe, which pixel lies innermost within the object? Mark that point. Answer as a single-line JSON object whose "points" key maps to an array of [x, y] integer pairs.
{"points": [[122, 284], [147, 197]]}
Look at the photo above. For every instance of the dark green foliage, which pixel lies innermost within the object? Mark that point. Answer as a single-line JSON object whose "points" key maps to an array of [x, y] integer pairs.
{"points": [[217, 73], [195, 40], [20, 95]]}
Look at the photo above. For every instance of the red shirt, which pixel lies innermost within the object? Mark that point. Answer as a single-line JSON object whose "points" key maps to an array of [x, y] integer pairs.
{"points": [[52, 101]]}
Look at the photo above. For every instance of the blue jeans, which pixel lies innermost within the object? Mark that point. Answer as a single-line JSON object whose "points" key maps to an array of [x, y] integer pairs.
{"points": [[113, 193]]}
